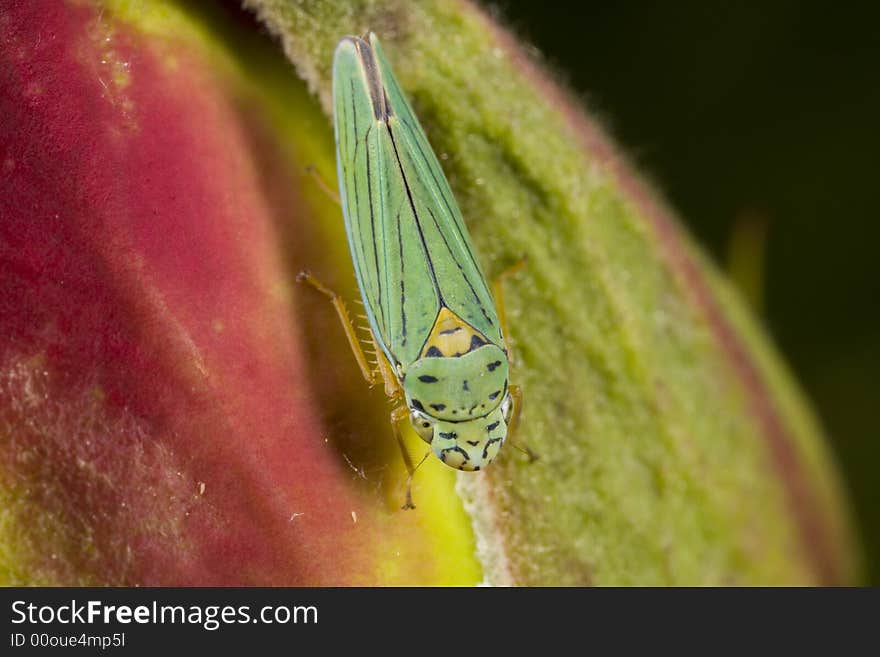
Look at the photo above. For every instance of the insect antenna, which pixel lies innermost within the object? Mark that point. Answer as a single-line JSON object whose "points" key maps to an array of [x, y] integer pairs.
{"points": [[528, 451]]}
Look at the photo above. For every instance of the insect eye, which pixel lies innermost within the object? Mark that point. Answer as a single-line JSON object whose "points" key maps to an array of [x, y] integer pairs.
{"points": [[424, 428]]}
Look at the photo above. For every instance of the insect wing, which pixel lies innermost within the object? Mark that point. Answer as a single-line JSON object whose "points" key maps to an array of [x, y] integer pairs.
{"points": [[358, 169], [460, 279], [408, 241]]}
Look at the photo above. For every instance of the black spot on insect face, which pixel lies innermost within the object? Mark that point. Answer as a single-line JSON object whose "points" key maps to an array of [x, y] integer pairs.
{"points": [[488, 445], [427, 378], [455, 448], [416, 404], [465, 386], [476, 342], [492, 366], [450, 331], [433, 352], [451, 435], [493, 426], [476, 467], [473, 443], [438, 407], [494, 395]]}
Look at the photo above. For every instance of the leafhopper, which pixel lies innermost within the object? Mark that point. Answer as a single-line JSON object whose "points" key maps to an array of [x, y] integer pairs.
{"points": [[439, 334]]}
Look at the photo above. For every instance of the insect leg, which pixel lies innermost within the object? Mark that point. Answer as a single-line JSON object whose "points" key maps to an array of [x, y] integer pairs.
{"points": [[313, 172], [516, 394], [498, 292], [392, 386], [345, 320], [398, 416]]}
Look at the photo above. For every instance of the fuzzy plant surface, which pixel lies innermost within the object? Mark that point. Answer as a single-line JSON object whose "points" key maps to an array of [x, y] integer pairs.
{"points": [[176, 410]]}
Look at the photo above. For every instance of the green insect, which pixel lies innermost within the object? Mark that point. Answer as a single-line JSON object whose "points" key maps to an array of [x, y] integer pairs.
{"points": [[431, 312]]}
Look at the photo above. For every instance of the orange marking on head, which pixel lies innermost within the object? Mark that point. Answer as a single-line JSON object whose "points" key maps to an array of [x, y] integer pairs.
{"points": [[451, 335]]}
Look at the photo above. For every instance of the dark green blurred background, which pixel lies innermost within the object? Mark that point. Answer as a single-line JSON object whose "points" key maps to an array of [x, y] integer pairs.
{"points": [[751, 116]]}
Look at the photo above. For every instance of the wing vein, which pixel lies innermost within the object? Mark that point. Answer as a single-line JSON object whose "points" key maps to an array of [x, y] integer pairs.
{"points": [[402, 279], [412, 206], [441, 188], [461, 269], [374, 239]]}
